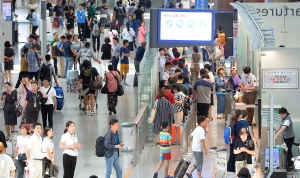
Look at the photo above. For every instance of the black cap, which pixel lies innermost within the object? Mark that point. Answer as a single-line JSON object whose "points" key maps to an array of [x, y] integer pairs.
{"points": [[205, 76], [168, 87]]}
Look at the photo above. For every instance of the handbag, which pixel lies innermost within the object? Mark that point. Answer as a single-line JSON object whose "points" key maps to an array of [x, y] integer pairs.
{"points": [[133, 39], [104, 90], [52, 170], [29, 16], [18, 110], [120, 90], [22, 157], [153, 113], [44, 100], [95, 85]]}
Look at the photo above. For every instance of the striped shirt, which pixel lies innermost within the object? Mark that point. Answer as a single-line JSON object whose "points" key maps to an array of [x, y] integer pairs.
{"points": [[164, 138]]}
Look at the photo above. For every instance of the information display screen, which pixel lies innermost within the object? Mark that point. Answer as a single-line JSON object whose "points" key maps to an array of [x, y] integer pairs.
{"points": [[6, 10], [185, 26]]}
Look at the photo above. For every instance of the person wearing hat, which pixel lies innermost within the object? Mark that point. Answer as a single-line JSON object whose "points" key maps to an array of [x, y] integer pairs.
{"points": [[235, 80], [21, 150], [138, 58], [220, 83], [7, 166], [249, 87]]}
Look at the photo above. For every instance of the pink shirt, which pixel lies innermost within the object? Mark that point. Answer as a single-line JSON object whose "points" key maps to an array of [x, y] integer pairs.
{"points": [[111, 82], [142, 34], [24, 93]]}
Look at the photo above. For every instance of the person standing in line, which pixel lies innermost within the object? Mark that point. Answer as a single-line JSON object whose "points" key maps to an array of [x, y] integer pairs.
{"points": [[103, 16], [34, 152], [142, 33], [68, 53], [124, 53], [35, 21], [212, 81], [9, 55], [54, 43], [69, 143], [33, 60], [32, 104], [59, 25], [7, 166], [112, 144], [249, 87], [95, 34], [50, 106], [112, 79], [106, 53], [162, 59], [220, 83], [235, 81], [139, 14], [61, 57], [198, 146], [137, 60], [48, 149], [70, 21], [9, 101], [219, 53], [21, 149], [23, 69], [119, 15], [82, 20], [115, 53], [288, 136]]}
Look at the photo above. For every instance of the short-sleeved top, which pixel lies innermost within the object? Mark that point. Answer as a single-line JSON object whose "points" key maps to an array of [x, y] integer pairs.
{"points": [[106, 51], [31, 6], [53, 41], [6, 166], [139, 14], [249, 81], [116, 49], [116, 10], [33, 98], [9, 52], [68, 8], [139, 53], [170, 97], [125, 58], [10, 100], [36, 21], [85, 75], [288, 132], [183, 88], [22, 144], [86, 50], [198, 134], [203, 89], [70, 18], [103, 12], [35, 145], [3, 139], [47, 143], [50, 66], [24, 93], [164, 138], [242, 156], [69, 140], [77, 46], [51, 94], [58, 46], [60, 8], [131, 11], [95, 22], [32, 59], [112, 84]]}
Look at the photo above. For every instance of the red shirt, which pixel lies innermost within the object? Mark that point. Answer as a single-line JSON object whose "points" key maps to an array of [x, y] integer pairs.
{"points": [[175, 59], [170, 96]]}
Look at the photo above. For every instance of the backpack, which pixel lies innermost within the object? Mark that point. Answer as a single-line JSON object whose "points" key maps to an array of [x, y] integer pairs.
{"points": [[229, 134], [100, 147], [45, 71], [85, 56], [96, 29], [222, 38], [55, 23], [54, 51], [120, 12]]}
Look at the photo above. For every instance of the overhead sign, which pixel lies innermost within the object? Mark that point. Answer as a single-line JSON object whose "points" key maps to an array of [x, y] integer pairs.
{"points": [[280, 78]]}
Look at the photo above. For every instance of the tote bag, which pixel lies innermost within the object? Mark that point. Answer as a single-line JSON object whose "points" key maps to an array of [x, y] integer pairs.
{"points": [[153, 113]]}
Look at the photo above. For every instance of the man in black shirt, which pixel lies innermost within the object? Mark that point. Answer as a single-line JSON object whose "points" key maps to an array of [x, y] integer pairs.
{"points": [[69, 7], [138, 58], [49, 8], [139, 15], [3, 140], [59, 7], [120, 17]]}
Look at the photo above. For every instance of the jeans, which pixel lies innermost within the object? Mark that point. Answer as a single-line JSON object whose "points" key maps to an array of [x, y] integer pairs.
{"points": [[55, 65], [137, 69], [204, 55], [115, 63], [289, 155], [81, 26], [231, 161], [69, 164], [221, 104], [20, 168], [47, 114], [113, 161], [34, 28], [94, 38], [69, 62]]}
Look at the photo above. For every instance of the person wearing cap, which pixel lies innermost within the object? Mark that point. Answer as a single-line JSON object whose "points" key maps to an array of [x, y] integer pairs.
{"points": [[220, 83], [202, 91], [21, 150], [249, 87], [7, 166], [235, 80], [138, 58], [34, 153]]}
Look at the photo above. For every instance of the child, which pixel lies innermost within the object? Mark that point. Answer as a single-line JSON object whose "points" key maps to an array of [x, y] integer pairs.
{"points": [[198, 146], [178, 107], [165, 149]]}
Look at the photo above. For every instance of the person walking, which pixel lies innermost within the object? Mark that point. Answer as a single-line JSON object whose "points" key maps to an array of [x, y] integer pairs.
{"points": [[70, 21], [142, 33], [7, 166], [69, 143], [68, 8], [34, 152], [103, 16], [119, 15], [50, 106], [76, 46], [124, 53], [47, 71], [92, 10], [82, 20], [61, 57], [35, 21], [95, 26], [32, 104], [112, 144], [86, 54], [116, 53], [137, 60], [220, 83], [23, 69], [58, 23], [54, 51], [20, 152], [218, 56], [9, 55], [288, 136], [68, 54], [48, 149], [106, 52], [9, 100], [113, 33], [112, 79], [33, 60]]}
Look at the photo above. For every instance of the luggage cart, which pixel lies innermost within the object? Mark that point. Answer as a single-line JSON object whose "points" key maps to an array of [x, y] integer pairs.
{"points": [[221, 158], [11, 143]]}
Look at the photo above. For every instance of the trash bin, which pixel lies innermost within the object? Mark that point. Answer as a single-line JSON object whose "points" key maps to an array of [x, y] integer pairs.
{"points": [[127, 136]]}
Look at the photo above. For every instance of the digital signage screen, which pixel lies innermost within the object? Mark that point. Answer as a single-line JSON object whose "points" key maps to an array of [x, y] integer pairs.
{"points": [[6, 10], [189, 26]]}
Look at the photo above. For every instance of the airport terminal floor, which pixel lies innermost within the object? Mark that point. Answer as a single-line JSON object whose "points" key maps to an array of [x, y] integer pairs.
{"points": [[88, 128]]}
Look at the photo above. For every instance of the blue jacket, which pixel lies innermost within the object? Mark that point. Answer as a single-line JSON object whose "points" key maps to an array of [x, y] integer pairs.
{"points": [[220, 84], [109, 143], [133, 25]]}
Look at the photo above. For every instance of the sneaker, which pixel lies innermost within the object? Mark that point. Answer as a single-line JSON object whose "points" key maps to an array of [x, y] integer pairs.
{"points": [[189, 175], [126, 84], [155, 175], [93, 113], [85, 111]]}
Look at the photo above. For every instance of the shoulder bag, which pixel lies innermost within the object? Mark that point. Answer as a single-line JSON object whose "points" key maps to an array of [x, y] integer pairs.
{"points": [[153, 113], [104, 90], [133, 39], [52, 170], [95, 85], [120, 90], [18, 109], [44, 100]]}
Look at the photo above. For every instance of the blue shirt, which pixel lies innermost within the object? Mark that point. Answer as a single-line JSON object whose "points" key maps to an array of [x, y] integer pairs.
{"points": [[59, 44], [81, 16], [185, 70], [133, 25], [116, 140], [32, 59], [67, 49], [139, 53], [125, 59], [36, 21]]}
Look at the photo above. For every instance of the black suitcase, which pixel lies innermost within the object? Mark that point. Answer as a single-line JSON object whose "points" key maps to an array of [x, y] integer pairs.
{"points": [[181, 168]]}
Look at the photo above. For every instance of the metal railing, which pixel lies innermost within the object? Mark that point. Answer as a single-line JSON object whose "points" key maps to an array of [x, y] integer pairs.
{"points": [[140, 133]]}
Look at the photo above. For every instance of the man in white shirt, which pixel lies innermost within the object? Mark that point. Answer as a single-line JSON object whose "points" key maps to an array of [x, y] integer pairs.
{"points": [[7, 166], [34, 152], [165, 73], [50, 106], [161, 60], [198, 145]]}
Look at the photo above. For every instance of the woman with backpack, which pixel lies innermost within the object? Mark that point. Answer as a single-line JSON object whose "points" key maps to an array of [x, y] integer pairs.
{"points": [[129, 34], [70, 21], [58, 23]]}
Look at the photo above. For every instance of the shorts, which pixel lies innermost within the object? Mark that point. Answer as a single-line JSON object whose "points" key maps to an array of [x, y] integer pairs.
{"points": [[90, 91], [165, 156], [199, 160], [124, 68], [70, 26], [130, 46], [121, 22], [203, 109]]}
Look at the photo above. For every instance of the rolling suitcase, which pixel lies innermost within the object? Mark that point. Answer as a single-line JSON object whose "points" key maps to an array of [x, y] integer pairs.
{"points": [[182, 168], [60, 98], [175, 133], [72, 78]]}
